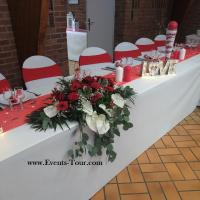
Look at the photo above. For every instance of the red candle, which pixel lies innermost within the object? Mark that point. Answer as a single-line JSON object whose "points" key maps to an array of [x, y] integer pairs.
{"points": [[128, 74], [175, 55]]}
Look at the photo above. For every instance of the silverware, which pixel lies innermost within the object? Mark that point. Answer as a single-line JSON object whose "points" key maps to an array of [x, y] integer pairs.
{"points": [[37, 95], [108, 69], [2, 107], [139, 59]]}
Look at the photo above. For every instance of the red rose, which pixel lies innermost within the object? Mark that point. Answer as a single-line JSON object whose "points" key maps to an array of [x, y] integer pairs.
{"points": [[96, 97], [109, 88], [75, 85], [111, 82], [73, 96], [88, 79], [96, 85], [57, 95], [62, 105]]}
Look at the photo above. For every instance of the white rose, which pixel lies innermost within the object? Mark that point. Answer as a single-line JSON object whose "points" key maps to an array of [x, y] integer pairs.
{"points": [[102, 124], [98, 123], [87, 107], [118, 100], [108, 111], [51, 111], [91, 121]]}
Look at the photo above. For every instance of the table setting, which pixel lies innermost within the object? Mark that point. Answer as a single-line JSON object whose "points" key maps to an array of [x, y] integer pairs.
{"points": [[112, 117]]}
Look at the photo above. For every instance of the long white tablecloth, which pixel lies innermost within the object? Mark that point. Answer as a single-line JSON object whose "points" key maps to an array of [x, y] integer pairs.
{"points": [[161, 103]]}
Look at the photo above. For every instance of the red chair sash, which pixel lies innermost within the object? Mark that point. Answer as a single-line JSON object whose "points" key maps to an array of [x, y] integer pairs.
{"points": [[40, 73], [4, 85], [121, 54], [146, 47], [160, 43], [95, 59]]}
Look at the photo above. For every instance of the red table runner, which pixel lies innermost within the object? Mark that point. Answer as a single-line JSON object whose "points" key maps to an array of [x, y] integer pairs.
{"points": [[12, 119], [17, 117], [137, 69]]}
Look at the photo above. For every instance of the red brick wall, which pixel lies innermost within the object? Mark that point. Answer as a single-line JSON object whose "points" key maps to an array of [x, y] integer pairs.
{"points": [[191, 22], [146, 20], [80, 12], [56, 42], [8, 56]]}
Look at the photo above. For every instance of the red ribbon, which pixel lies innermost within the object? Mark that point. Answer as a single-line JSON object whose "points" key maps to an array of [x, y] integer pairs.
{"points": [[40, 73], [125, 54], [4, 85], [95, 59], [160, 43], [146, 47]]}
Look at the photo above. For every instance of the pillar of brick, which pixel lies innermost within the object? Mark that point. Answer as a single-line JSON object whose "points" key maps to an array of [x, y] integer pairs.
{"points": [[8, 55]]}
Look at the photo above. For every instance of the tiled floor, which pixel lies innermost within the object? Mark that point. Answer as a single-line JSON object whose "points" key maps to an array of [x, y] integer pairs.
{"points": [[168, 170]]}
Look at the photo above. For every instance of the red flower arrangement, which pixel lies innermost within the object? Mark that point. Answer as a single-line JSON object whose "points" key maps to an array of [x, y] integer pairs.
{"points": [[58, 95], [94, 102], [75, 85], [96, 97], [73, 96], [95, 85], [62, 106]]}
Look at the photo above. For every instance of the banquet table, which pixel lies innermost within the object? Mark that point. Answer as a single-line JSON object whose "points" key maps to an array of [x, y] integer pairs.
{"points": [[161, 103]]}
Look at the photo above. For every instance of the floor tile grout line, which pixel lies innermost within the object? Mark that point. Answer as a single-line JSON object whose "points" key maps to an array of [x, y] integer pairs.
{"points": [[145, 182], [197, 178], [162, 190], [193, 153]]}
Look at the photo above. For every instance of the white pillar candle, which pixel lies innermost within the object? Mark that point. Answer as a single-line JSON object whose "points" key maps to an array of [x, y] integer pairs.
{"points": [[182, 54], [119, 74]]}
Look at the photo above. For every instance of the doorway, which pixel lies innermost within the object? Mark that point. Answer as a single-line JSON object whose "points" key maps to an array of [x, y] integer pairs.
{"points": [[100, 15]]}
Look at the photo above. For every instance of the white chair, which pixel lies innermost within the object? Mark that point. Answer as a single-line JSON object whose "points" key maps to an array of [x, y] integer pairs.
{"points": [[160, 42], [146, 46], [92, 60], [126, 49], [41, 74], [4, 84]]}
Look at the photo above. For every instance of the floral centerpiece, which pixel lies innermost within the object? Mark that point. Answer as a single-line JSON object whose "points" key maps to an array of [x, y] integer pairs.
{"points": [[93, 102]]}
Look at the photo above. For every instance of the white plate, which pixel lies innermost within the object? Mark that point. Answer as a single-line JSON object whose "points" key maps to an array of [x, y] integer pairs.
{"points": [[27, 97]]}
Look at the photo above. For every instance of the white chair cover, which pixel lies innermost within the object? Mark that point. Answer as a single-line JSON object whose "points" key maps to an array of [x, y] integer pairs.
{"points": [[160, 42], [92, 60], [4, 84], [41, 74], [126, 49], [146, 46]]}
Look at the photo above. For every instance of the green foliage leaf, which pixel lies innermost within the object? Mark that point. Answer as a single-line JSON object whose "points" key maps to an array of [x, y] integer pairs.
{"points": [[71, 153], [128, 125]]}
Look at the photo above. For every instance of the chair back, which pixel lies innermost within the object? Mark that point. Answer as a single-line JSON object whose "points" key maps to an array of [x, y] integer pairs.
{"points": [[4, 84], [93, 59], [160, 42], [126, 49], [146, 46], [41, 74]]}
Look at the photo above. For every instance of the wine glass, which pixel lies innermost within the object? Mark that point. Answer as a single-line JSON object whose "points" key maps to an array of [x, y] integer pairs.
{"points": [[1, 129], [19, 95], [7, 95]]}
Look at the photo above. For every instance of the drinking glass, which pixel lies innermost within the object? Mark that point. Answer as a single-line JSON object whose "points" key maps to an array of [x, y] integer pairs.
{"points": [[19, 95], [1, 129], [7, 95]]}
